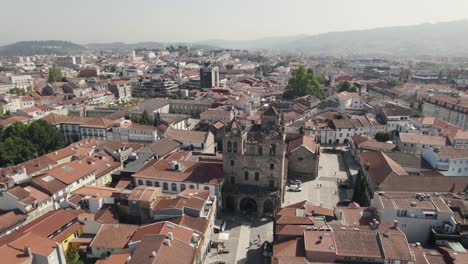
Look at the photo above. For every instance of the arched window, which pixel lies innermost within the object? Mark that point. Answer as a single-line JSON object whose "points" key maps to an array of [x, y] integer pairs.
{"points": [[156, 184], [272, 150], [182, 187], [174, 187], [165, 186], [235, 147], [229, 146], [192, 186], [206, 188]]}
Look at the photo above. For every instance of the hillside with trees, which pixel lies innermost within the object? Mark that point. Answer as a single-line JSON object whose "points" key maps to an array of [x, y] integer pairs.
{"points": [[29, 48]]}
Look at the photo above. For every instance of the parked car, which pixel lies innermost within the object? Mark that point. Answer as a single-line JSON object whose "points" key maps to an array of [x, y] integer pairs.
{"points": [[294, 188], [295, 182]]}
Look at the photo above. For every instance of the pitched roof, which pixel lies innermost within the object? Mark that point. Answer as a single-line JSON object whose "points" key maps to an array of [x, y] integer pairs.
{"points": [[175, 252], [379, 166], [113, 236], [186, 135], [422, 139], [190, 171], [308, 141]]}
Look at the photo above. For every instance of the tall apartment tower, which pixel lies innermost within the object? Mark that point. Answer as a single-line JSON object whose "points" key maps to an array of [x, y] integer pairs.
{"points": [[209, 76], [254, 165]]}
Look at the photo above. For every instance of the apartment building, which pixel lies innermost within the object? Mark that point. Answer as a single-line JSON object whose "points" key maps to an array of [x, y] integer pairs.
{"points": [[414, 213], [450, 162], [449, 109]]}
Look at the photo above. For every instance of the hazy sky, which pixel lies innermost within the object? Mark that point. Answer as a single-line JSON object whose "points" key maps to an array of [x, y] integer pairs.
{"points": [[85, 21]]}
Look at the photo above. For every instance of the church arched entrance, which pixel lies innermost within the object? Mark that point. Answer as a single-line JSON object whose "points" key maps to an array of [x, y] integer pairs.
{"points": [[248, 206], [268, 207]]}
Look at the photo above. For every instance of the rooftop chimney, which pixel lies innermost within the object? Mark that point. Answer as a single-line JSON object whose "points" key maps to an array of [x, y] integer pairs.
{"points": [[28, 251], [170, 236], [167, 242], [395, 224]]}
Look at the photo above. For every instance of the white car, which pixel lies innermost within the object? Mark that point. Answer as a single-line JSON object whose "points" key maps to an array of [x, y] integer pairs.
{"points": [[294, 188]]}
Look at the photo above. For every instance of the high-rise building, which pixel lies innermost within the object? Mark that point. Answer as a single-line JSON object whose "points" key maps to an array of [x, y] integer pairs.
{"points": [[254, 165], [209, 76]]}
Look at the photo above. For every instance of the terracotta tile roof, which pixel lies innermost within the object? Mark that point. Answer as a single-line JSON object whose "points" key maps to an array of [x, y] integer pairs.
{"points": [[310, 209], [290, 230], [196, 172], [113, 236], [97, 191], [356, 243], [71, 171], [308, 141], [13, 256], [61, 154], [36, 165], [199, 224], [38, 195], [39, 245], [395, 246], [49, 185], [379, 166], [18, 192], [67, 231], [11, 218], [143, 193], [294, 220], [176, 252], [186, 135], [13, 119], [115, 259], [290, 248], [453, 153], [422, 139], [319, 242], [180, 203], [107, 214], [179, 232]]}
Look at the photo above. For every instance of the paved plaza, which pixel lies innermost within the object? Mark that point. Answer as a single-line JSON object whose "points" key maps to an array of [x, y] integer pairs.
{"points": [[325, 189], [242, 231]]}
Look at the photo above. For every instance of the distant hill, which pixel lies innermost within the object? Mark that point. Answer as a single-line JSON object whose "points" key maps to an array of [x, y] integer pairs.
{"points": [[121, 46], [439, 39], [29, 48], [125, 46]]}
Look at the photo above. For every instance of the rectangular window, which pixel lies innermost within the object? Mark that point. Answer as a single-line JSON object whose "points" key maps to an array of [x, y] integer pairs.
{"points": [[260, 151], [272, 166], [246, 175], [233, 180], [257, 176], [232, 162]]}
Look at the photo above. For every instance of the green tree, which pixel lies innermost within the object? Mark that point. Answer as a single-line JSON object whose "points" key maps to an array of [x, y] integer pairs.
{"points": [[361, 195], [384, 137], [21, 142], [72, 257], [45, 137], [346, 87], [55, 75], [303, 82], [145, 120], [15, 150]]}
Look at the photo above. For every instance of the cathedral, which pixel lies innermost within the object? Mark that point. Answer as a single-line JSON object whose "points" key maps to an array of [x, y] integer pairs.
{"points": [[254, 163]]}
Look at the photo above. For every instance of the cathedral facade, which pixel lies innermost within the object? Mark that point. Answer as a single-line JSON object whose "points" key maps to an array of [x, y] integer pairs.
{"points": [[254, 165]]}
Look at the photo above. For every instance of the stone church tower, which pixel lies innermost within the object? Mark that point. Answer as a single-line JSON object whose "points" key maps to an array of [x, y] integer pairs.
{"points": [[254, 165]]}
